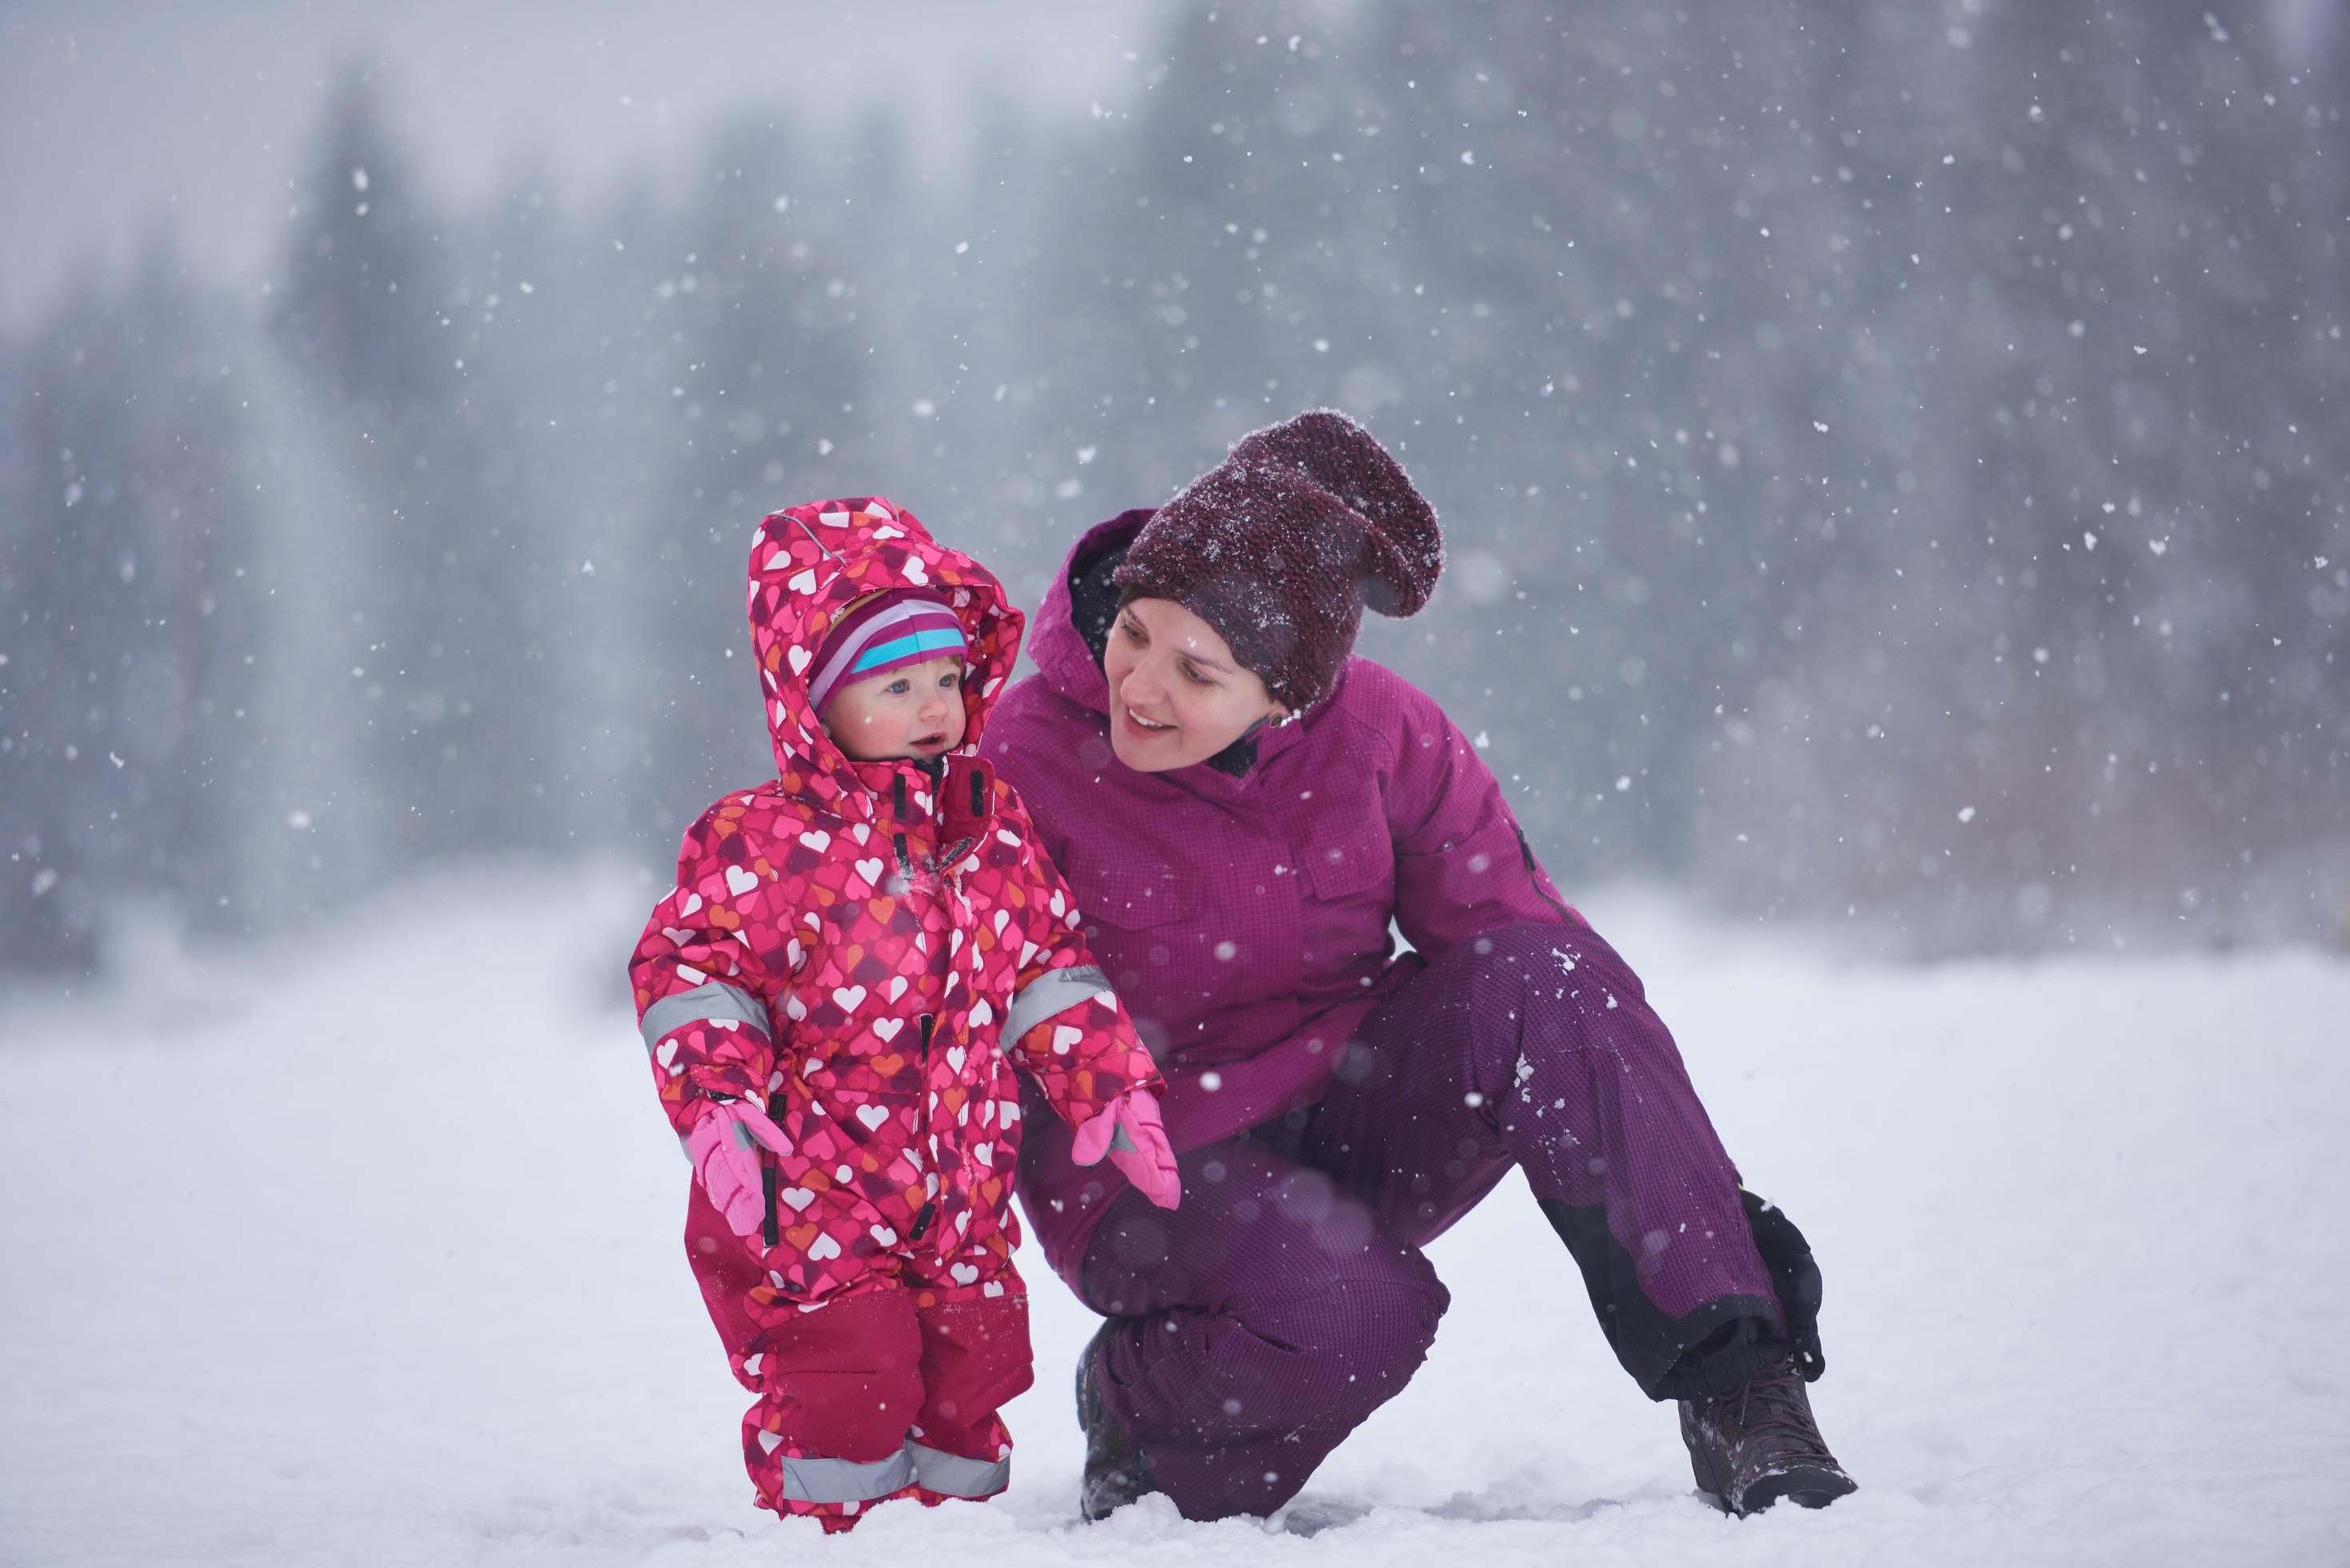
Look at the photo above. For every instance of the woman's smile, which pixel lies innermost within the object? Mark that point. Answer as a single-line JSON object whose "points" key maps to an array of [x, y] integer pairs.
{"points": [[1140, 727]]}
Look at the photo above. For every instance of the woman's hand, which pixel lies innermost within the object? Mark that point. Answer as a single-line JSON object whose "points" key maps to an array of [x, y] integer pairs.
{"points": [[1128, 1130], [723, 1146]]}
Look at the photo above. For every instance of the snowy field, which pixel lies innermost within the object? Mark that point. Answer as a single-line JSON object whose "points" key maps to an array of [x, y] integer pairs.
{"points": [[366, 1252]]}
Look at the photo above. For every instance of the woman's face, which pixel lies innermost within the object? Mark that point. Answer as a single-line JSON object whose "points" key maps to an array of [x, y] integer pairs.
{"points": [[1176, 695]]}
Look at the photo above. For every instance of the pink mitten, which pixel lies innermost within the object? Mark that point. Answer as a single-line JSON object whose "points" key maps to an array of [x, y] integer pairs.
{"points": [[723, 1146], [1128, 1130]]}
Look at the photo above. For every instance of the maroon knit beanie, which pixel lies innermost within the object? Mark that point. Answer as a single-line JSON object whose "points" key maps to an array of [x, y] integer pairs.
{"points": [[1281, 544]]}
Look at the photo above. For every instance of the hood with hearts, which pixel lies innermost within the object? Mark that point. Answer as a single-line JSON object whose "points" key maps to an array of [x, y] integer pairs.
{"points": [[810, 563]]}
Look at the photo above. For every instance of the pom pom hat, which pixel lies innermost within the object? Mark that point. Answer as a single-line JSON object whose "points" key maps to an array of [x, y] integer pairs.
{"points": [[1281, 545]]}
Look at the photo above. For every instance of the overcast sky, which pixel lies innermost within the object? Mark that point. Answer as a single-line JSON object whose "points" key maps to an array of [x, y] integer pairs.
{"points": [[111, 114]]}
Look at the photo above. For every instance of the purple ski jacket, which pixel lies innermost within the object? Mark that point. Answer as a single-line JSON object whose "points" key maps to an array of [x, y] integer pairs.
{"points": [[1244, 921]]}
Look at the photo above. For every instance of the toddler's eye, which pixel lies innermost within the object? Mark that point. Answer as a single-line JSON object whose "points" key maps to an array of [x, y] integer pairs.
{"points": [[899, 688], [950, 682]]}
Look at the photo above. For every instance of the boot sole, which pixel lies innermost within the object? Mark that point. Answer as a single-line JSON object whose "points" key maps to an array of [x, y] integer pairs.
{"points": [[1806, 1487]]}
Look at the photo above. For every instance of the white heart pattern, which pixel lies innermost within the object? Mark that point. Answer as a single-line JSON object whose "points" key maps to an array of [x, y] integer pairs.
{"points": [[740, 880], [888, 1027], [800, 659], [816, 838], [1064, 1037], [897, 986], [965, 1273], [799, 1198], [872, 1116], [955, 1058], [870, 869], [802, 581], [848, 997], [822, 1247], [883, 1234]]}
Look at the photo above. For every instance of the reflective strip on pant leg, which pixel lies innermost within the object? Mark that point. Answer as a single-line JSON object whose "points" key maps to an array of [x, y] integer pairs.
{"points": [[712, 1002], [847, 1481], [956, 1476], [1053, 992]]}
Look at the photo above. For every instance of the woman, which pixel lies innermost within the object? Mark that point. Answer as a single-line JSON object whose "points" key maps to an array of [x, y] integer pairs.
{"points": [[1242, 808]]}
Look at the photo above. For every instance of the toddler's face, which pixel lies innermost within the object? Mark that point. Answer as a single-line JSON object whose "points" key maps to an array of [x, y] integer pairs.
{"points": [[912, 712]]}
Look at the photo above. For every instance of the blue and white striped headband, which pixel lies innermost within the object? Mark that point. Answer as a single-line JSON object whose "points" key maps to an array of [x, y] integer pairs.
{"points": [[885, 632]]}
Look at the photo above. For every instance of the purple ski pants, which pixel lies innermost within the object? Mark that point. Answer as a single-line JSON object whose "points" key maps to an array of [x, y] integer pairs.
{"points": [[1288, 1297]]}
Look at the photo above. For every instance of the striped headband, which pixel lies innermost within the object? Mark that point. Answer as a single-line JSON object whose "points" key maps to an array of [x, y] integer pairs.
{"points": [[883, 632]]}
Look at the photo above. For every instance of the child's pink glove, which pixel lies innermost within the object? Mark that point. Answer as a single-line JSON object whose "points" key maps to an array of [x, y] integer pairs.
{"points": [[1128, 1130], [723, 1146]]}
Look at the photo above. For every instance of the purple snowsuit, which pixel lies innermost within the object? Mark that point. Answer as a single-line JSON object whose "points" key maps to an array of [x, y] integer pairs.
{"points": [[1335, 1107]]}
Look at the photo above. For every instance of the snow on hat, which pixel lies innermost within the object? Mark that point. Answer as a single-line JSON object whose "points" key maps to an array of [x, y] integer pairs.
{"points": [[882, 632], [1281, 545]]}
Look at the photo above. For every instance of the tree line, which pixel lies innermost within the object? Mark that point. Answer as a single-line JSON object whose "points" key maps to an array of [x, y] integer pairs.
{"points": [[1893, 462]]}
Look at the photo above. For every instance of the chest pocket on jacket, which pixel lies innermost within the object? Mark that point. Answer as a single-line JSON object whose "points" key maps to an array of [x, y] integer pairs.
{"points": [[1132, 894], [1346, 864]]}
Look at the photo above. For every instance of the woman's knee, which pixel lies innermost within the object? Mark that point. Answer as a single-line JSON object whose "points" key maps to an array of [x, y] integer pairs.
{"points": [[1357, 1336]]}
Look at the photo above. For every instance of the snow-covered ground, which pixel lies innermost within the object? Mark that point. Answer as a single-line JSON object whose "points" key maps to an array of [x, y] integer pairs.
{"points": [[365, 1250]]}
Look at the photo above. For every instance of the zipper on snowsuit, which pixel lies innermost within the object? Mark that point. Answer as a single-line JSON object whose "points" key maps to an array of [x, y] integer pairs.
{"points": [[930, 1207], [772, 1229]]}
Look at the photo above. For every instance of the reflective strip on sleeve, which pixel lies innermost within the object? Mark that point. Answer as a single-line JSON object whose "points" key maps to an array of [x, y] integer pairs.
{"points": [[1055, 991], [956, 1476], [709, 1003], [847, 1481]]}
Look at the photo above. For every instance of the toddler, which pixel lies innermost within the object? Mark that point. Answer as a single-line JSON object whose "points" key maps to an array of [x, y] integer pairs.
{"points": [[835, 994]]}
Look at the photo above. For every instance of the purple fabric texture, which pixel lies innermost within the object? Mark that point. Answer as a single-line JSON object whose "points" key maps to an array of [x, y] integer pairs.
{"points": [[1244, 920], [1288, 1298], [1334, 1105]]}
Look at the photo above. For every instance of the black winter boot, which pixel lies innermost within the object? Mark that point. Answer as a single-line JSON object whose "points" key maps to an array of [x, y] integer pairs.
{"points": [[1754, 1446], [1117, 1471]]}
